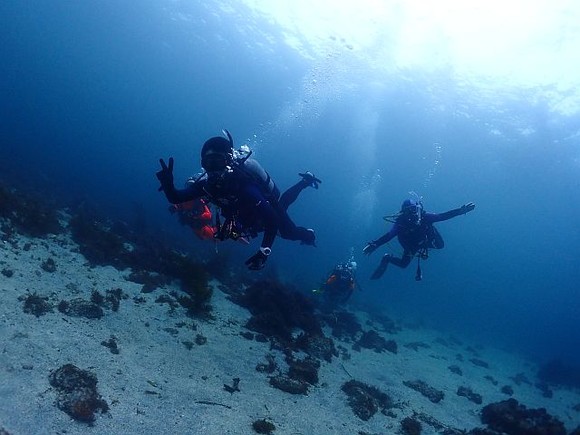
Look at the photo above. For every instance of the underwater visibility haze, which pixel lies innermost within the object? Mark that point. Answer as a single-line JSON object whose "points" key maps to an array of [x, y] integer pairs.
{"points": [[455, 101]]}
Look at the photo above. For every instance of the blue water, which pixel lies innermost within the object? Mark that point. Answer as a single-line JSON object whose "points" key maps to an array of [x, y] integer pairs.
{"points": [[93, 93]]}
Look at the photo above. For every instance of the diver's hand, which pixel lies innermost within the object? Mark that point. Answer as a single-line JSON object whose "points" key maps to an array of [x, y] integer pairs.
{"points": [[165, 175], [257, 261], [370, 248], [466, 208]]}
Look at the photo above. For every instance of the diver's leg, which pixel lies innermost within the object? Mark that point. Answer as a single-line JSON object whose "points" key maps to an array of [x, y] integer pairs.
{"points": [[380, 270], [404, 261], [388, 258], [290, 231], [290, 195], [293, 232]]}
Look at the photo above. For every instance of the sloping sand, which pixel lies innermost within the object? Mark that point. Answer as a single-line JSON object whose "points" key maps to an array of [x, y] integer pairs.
{"points": [[170, 371]]}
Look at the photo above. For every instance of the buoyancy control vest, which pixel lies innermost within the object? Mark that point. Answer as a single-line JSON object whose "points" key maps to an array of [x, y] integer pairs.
{"points": [[252, 169]]}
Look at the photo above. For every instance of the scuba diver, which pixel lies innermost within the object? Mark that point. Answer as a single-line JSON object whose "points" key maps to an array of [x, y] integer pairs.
{"points": [[245, 194], [340, 284], [414, 229]]}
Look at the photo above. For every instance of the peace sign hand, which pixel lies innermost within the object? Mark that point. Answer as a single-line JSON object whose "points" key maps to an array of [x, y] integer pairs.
{"points": [[165, 175]]}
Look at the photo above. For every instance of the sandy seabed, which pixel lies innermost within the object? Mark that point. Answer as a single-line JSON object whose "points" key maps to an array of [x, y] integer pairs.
{"points": [[170, 370]]}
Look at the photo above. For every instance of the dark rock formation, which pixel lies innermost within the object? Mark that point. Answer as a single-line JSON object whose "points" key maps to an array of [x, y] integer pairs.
{"points": [[289, 385], [49, 265], [410, 426], [77, 393], [514, 419], [479, 363], [455, 369], [344, 325], [80, 308], [507, 389], [317, 346], [470, 395], [372, 340], [263, 426], [520, 379], [37, 305], [366, 400], [305, 370], [426, 390], [277, 311]]}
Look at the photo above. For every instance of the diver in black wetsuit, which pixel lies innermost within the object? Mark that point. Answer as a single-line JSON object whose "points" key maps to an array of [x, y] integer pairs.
{"points": [[247, 197], [415, 231]]}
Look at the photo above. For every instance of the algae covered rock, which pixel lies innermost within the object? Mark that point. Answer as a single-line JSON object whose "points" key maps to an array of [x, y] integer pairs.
{"points": [[365, 400], [77, 393]]}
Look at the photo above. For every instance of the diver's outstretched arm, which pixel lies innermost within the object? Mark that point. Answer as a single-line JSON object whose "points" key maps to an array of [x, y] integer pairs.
{"points": [[464, 209]]}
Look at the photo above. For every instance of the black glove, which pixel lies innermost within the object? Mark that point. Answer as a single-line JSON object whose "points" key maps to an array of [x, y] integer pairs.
{"points": [[165, 175], [257, 261], [370, 248], [465, 208]]}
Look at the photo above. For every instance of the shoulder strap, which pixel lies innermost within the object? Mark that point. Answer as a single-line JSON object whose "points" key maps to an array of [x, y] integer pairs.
{"points": [[252, 169]]}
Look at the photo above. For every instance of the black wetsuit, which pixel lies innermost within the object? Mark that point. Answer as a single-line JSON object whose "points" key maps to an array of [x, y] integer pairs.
{"points": [[413, 237], [254, 204]]}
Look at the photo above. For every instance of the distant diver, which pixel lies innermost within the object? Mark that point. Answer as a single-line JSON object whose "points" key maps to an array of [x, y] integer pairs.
{"points": [[414, 229], [340, 284]]}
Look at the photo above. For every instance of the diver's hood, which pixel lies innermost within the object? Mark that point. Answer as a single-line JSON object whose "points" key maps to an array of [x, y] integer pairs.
{"points": [[217, 152]]}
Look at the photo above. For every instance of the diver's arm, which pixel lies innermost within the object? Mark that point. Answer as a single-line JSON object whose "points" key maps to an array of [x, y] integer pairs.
{"points": [[269, 218], [252, 195], [374, 244], [178, 196], [174, 196], [387, 237], [438, 217]]}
